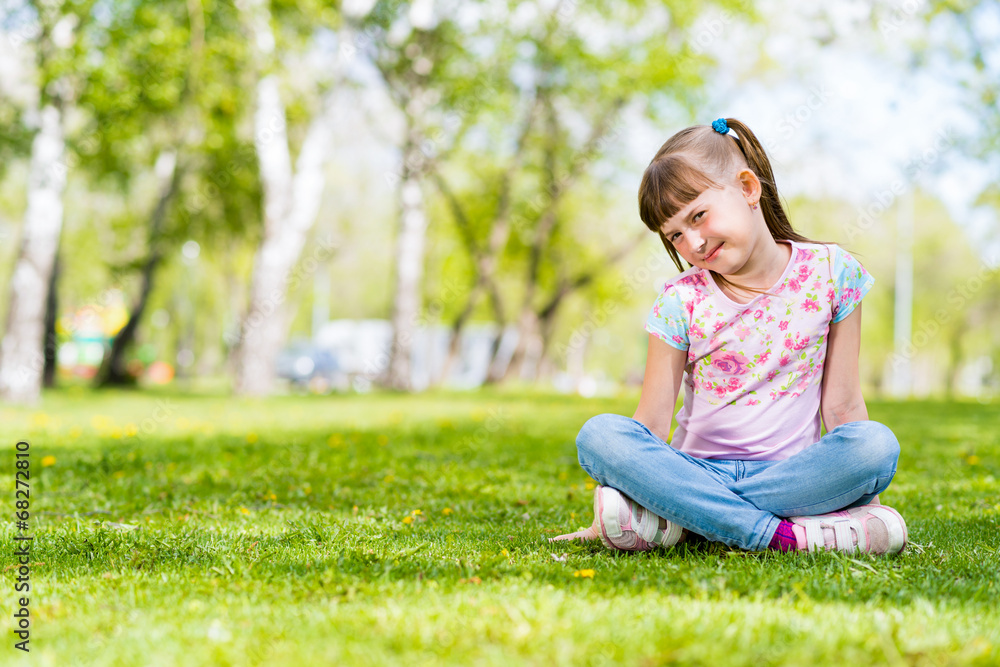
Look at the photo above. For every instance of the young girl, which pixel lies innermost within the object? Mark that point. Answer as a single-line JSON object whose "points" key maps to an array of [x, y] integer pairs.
{"points": [[763, 331]]}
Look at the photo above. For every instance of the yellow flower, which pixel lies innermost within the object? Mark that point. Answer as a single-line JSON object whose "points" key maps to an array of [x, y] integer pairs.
{"points": [[274, 497], [416, 512], [130, 429], [589, 486], [447, 510], [245, 510], [48, 461], [588, 574], [408, 519], [972, 460], [335, 440], [118, 474], [252, 438]]}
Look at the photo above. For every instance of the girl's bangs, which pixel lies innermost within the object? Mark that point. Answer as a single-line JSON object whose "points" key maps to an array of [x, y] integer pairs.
{"points": [[669, 184]]}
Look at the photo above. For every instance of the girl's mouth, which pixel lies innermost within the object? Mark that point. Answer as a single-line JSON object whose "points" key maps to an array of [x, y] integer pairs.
{"points": [[715, 253]]}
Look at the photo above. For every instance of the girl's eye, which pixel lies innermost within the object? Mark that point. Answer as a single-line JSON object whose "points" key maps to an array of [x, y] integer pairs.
{"points": [[673, 237], [698, 215]]}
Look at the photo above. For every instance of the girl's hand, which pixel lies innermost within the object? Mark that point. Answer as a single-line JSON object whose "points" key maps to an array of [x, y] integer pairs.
{"points": [[585, 534]]}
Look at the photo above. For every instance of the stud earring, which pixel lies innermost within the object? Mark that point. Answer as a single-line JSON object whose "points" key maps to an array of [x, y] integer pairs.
{"points": [[753, 206]]}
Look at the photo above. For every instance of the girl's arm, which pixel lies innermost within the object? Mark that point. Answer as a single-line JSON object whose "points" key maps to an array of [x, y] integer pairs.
{"points": [[660, 387], [841, 400]]}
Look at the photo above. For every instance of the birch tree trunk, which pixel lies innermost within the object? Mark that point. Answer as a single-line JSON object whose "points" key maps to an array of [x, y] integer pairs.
{"points": [[291, 204], [409, 257], [112, 371], [21, 353]]}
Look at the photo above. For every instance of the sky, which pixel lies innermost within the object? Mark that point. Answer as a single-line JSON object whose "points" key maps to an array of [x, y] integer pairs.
{"points": [[845, 112]]}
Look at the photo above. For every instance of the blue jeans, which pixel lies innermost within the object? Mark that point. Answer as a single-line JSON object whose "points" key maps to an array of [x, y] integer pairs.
{"points": [[738, 502]]}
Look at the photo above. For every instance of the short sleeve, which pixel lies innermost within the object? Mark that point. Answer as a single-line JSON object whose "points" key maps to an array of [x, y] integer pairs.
{"points": [[668, 319], [850, 284]]}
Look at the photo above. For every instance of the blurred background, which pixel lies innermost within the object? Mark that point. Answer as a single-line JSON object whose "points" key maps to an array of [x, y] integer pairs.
{"points": [[259, 196]]}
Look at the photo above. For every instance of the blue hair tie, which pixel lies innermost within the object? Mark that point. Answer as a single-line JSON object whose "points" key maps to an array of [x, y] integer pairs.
{"points": [[719, 125]]}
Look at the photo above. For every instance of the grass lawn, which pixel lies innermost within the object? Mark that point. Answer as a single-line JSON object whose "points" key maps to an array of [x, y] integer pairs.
{"points": [[410, 530]]}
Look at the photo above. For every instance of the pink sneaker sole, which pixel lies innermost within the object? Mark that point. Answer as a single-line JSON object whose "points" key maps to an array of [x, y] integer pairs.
{"points": [[627, 526], [875, 529]]}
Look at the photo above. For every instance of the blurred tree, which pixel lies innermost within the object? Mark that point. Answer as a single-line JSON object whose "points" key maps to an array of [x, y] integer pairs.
{"points": [[54, 29], [426, 55], [291, 197], [577, 68]]}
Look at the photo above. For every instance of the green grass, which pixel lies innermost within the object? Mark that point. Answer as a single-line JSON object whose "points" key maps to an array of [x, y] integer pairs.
{"points": [[410, 530]]}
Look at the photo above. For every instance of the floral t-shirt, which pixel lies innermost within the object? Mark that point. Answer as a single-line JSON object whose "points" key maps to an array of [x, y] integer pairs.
{"points": [[752, 381]]}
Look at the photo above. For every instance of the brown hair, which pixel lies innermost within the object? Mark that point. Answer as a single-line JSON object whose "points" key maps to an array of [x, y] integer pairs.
{"points": [[697, 158]]}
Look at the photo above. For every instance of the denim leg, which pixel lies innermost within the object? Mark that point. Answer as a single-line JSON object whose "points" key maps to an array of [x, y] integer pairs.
{"points": [[849, 466], [622, 453]]}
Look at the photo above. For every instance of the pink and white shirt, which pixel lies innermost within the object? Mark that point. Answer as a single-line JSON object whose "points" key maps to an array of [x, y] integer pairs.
{"points": [[754, 372]]}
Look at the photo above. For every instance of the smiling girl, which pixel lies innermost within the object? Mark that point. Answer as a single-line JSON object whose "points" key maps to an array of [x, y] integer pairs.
{"points": [[763, 332]]}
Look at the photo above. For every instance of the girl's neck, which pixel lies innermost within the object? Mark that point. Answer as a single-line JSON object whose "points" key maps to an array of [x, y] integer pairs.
{"points": [[762, 270]]}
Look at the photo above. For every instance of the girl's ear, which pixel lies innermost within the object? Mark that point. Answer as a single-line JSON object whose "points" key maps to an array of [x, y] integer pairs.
{"points": [[750, 185]]}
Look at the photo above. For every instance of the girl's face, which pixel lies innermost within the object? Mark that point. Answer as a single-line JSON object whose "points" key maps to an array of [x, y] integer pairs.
{"points": [[718, 231]]}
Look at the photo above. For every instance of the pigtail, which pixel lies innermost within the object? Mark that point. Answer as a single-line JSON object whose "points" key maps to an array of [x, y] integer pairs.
{"points": [[774, 213]]}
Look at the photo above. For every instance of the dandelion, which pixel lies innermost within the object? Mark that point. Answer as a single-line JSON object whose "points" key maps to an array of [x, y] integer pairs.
{"points": [[245, 510], [586, 574], [447, 510], [972, 459], [407, 520], [416, 512], [252, 438], [48, 461]]}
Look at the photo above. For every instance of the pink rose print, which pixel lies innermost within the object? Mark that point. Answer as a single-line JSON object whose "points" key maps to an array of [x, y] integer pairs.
{"points": [[783, 325], [718, 326], [759, 314], [802, 368], [689, 306], [817, 285], [720, 391], [677, 339], [804, 272], [799, 344], [830, 294], [810, 306], [784, 361], [789, 343], [773, 374], [742, 331], [656, 309], [732, 363], [802, 255], [770, 318], [764, 357], [752, 401], [696, 331], [794, 286], [694, 279]]}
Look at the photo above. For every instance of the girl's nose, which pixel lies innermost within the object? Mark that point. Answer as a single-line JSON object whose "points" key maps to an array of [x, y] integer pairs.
{"points": [[694, 240]]}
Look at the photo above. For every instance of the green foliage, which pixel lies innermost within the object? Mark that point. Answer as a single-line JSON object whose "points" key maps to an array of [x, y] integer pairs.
{"points": [[411, 530]]}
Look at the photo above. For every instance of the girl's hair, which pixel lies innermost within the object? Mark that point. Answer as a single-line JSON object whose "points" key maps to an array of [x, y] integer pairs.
{"points": [[697, 158]]}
